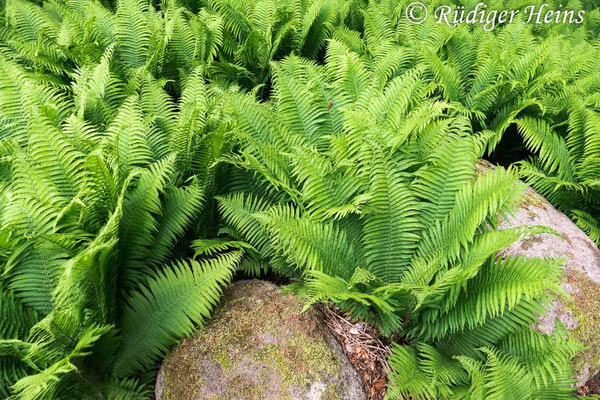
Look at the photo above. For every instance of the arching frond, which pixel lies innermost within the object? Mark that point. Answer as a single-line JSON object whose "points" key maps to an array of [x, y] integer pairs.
{"points": [[168, 306]]}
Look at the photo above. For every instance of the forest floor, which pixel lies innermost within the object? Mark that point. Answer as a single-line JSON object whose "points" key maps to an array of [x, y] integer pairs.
{"points": [[365, 349], [591, 388]]}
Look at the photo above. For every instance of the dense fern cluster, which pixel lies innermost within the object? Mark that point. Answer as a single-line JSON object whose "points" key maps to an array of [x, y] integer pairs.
{"points": [[91, 217], [368, 196], [149, 151], [541, 81]]}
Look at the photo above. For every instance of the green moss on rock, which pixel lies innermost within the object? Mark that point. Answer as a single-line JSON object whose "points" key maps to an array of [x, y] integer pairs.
{"points": [[530, 241], [258, 346], [533, 198], [584, 302]]}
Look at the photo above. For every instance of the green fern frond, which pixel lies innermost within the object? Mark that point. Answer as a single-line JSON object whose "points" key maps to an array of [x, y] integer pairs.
{"points": [[588, 224], [309, 245], [168, 306], [17, 319], [125, 389]]}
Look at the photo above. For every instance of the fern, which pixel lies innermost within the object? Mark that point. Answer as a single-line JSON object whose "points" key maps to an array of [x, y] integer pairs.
{"points": [[173, 302], [151, 149], [97, 203], [417, 254], [538, 83]]}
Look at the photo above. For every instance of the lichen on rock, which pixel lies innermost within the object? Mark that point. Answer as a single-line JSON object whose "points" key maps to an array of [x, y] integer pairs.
{"points": [[584, 302], [259, 346]]}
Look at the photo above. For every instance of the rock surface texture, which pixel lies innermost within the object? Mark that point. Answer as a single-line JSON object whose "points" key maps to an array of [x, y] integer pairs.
{"points": [[580, 312], [259, 346]]}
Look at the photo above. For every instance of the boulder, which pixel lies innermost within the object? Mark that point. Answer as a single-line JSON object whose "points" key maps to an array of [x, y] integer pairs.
{"points": [[580, 311], [259, 345]]}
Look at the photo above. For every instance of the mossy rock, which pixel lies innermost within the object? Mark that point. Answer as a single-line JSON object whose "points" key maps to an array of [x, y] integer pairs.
{"points": [[579, 311], [259, 346]]}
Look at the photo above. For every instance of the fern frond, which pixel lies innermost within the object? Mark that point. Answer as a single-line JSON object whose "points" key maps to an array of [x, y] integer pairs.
{"points": [[589, 224], [391, 229], [309, 245], [17, 319], [168, 306], [139, 222]]}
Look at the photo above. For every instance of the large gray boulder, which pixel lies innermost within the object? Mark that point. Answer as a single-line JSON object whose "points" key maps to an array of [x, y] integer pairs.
{"points": [[580, 311], [259, 346]]}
